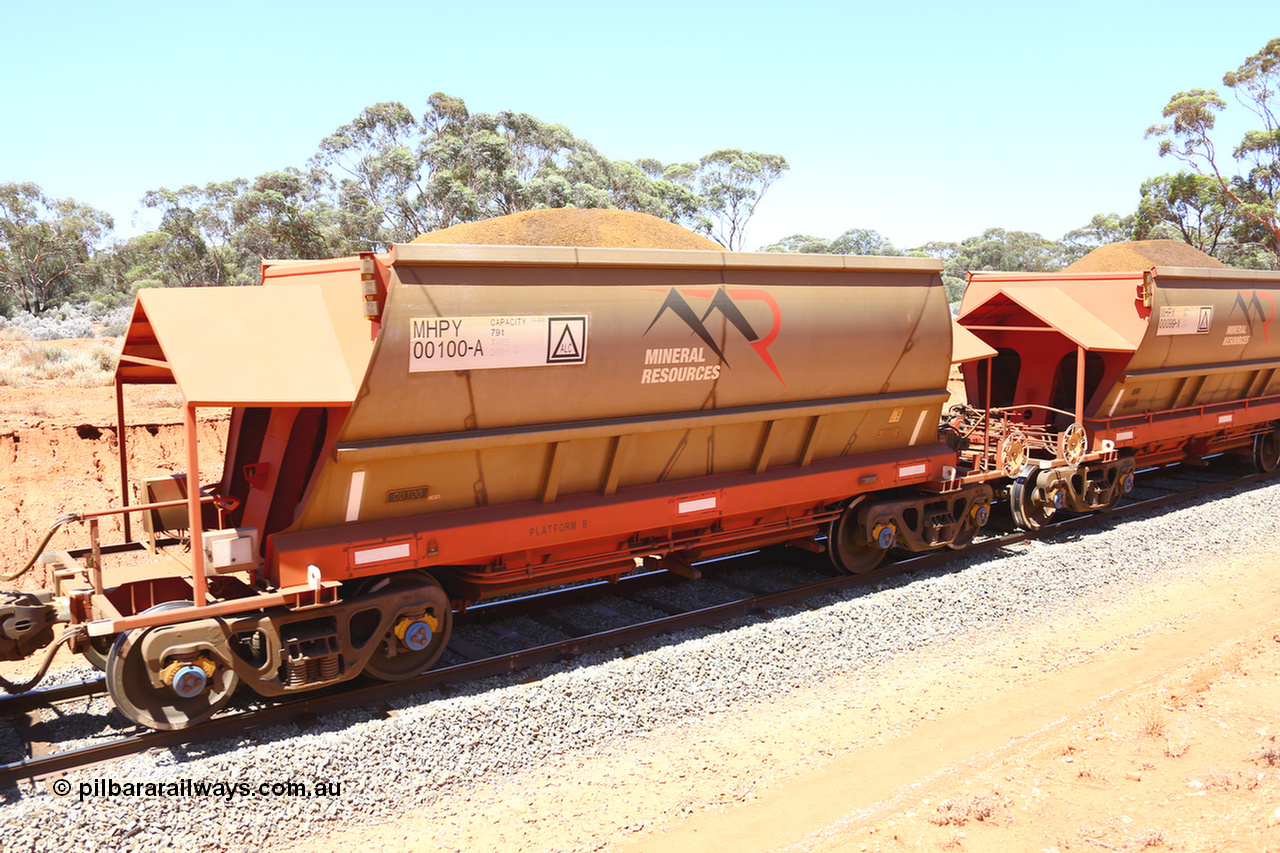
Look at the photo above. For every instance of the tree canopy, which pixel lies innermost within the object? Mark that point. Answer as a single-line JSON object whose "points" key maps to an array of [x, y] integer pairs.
{"points": [[44, 244], [855, 241], [1252, 190], [391, 175]]}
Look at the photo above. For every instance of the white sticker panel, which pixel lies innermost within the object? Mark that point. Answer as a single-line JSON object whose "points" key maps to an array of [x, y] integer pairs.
{"points": [[1184, 320], [488, 343], [382, 555], [912, 470], [697, 506]]}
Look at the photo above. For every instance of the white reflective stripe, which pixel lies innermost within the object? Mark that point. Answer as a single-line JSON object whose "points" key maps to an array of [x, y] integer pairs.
{"points": [[1117, 402], [354, 496], [695, 506], [919, 423], [383, 554], [1225, 419], [1124, 436], [99, 627], [912, 470]]}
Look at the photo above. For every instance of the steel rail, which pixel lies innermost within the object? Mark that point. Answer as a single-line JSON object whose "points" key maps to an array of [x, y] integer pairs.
{"points": [[372, 695], [41, 697], [21, 703]]}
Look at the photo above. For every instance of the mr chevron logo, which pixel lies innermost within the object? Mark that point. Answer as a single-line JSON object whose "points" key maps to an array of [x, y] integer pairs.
{"points": [[723, 300], [1253, 306]]}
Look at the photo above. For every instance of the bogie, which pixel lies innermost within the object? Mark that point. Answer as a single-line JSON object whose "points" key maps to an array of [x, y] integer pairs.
{"points": [[914, 521], [156, 681]]}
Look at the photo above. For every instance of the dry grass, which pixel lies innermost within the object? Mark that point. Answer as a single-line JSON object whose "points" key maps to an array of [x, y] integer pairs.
{"points": [[1268, 753], [1150, 838], [1230, 780], [960, 810], [155, 397], [33, 362], [1152, 722], [1112, 832]]}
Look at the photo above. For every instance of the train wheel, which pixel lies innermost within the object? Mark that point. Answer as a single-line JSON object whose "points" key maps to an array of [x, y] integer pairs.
{"points": [[416, 640], [1266, 451], [849, 553], [165, 708], [974, 520], [1031, 511], [964, 538]]}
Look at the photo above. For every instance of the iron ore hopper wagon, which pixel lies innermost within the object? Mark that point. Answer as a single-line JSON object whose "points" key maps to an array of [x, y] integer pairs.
{"points": [[415, 430], [1147, 367]]}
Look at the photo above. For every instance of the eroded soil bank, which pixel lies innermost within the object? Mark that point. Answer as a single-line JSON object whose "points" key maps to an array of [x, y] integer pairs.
{"points": [[59, 453]]}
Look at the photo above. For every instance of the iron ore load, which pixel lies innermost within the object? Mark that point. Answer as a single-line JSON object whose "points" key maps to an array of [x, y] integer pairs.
{"points": [[415, 430]]}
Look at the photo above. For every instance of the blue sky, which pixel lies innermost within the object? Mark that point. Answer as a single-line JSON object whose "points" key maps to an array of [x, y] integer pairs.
{"points": [[924, 121]]}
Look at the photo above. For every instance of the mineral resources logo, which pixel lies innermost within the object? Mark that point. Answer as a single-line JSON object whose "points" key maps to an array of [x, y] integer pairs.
{"points": [[1253, 307], [723, 300]]}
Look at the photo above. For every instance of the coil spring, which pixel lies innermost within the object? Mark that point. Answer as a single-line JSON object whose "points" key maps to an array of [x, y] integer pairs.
{"points": [[329, 669], [295, 670], [301, 671]]}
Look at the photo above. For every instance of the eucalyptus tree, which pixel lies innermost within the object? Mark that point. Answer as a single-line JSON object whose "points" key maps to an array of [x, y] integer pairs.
{"points": [[46, 245], [855, 241], [393, 175], [199, 223], [1184, 206], [282, 214], [1100, 230], [1252, 188], [732, 182], [994, 249]]}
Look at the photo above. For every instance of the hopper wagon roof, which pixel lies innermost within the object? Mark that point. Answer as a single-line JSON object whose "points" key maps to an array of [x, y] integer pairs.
{"points": [[966, 346], [291, 344], [330, 271], [1096, 312]]}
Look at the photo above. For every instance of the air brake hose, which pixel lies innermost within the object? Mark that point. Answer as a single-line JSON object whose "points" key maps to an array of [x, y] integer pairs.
{"points": [[63, 519], [11, 687]]}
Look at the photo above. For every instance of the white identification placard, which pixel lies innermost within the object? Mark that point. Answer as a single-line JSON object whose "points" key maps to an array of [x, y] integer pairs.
{"points": [[486, 343], [1184, 320]]}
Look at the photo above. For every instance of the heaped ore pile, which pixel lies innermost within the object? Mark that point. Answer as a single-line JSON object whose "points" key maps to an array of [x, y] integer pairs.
{"points": [[612, 229], [1143, 255]]}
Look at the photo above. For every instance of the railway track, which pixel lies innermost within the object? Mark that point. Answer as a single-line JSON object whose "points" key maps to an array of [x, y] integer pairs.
{"points": [[556, 610]]}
